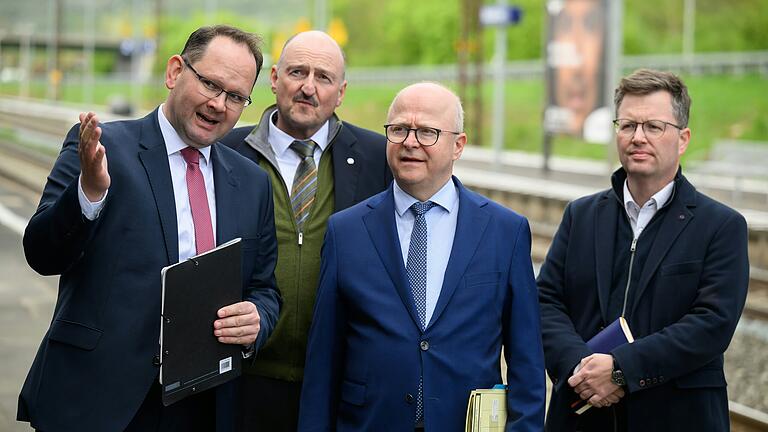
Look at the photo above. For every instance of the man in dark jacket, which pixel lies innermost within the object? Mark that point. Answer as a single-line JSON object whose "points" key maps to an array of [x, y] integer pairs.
{"points": [[653, 250]]}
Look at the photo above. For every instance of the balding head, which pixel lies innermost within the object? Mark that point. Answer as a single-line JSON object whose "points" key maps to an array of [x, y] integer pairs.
{"points": [[309, 83], [423, 165], [316, 38], [436, 95]]}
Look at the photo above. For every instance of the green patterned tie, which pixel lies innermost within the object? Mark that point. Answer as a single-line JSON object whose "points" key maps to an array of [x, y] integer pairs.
{"points": [[304, 182]]}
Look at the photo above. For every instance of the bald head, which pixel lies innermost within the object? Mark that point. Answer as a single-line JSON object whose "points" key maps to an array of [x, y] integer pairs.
{"points": [[424, 132], [315, 39], [432, 96]]}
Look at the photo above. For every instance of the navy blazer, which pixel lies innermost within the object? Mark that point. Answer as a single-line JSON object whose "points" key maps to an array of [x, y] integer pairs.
{"points": [[367, 348], [95, 364], [682, 312], [352, 182]]}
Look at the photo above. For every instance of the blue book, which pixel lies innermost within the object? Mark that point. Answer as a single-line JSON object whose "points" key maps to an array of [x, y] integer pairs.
{"points": [[615, 335]]}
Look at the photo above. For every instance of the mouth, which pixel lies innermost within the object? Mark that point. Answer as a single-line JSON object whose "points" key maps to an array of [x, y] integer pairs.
{"points": [[409, 159], [207, 120]]}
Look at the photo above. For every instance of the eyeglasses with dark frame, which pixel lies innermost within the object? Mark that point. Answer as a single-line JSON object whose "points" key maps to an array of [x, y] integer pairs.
{"points": [[210, 89], [652, 128], [426, 136]]}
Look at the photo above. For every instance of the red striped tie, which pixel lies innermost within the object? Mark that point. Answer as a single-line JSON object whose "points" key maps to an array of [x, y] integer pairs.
{"points": [[198, 201]]}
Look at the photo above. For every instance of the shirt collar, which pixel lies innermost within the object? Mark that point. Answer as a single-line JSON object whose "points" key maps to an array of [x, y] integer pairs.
{"points": [[446, 197], [173, 142], [281, 141], [659, 199]]}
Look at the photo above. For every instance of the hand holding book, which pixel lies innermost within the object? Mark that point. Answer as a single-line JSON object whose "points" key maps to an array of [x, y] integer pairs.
{"points": [[612, 336]]}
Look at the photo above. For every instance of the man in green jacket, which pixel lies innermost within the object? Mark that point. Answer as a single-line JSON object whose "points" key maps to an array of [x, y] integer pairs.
{"points": [[318, 165]]}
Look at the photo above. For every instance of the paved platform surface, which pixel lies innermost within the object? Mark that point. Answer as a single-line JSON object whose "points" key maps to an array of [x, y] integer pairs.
{"points": [[26, 303]]}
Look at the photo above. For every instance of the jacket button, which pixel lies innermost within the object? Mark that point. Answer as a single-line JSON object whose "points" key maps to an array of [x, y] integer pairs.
{"points": [[424, 345], [642, 383], [409, 398], [156, 360]]}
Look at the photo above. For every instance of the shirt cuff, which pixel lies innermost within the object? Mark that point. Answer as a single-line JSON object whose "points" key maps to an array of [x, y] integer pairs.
{"points": [[91, 210]]}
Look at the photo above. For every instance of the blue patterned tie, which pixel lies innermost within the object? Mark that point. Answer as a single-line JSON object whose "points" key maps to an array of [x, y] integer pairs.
{"points": [[417, 276]]}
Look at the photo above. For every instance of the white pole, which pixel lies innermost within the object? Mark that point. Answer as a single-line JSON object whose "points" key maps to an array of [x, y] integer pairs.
{"points": [[500, 57], [613, 67]]}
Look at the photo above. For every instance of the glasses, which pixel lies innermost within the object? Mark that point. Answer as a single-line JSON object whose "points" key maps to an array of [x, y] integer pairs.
{"points": [[652, 128], [426, 136], [210, 89]]}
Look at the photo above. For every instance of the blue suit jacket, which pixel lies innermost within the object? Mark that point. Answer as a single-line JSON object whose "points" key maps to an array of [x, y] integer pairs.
{"points": [[367, 349], [682, 312], [95, 363]]}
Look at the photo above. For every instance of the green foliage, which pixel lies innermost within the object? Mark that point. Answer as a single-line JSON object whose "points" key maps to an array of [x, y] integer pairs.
{"points": [[176, 30]]}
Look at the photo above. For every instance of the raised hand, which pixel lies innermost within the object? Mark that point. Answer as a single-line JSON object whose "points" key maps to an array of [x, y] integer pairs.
{"points": [[94, 175]]}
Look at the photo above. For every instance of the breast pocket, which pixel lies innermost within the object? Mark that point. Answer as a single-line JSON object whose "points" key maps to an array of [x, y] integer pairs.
{"points": [[690, 267]]}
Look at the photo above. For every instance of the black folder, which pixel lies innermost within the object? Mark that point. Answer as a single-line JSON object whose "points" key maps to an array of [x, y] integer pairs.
{"points": [[191, 358]]}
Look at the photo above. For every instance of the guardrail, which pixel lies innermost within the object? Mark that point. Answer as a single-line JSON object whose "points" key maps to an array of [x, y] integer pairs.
{"points": [[697, 64]]}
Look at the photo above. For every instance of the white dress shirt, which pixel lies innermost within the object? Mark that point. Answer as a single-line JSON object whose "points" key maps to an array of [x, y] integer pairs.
{"points": [[287, 159], [639, 217], [441, 228], [173, 146]]}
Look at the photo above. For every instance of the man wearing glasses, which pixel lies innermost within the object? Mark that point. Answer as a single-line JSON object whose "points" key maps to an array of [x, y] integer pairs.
{"points": [[670, 260], [421, 286], [318, 165], [108, 229]]}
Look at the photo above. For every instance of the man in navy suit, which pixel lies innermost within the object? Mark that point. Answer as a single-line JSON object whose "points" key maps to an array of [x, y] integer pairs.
{"points": [[108, 230], [351, 165], [421, 287], [670, 260]]}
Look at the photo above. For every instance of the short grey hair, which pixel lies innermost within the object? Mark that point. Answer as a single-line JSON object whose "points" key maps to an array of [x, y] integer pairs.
{"points": [[646, 81]]}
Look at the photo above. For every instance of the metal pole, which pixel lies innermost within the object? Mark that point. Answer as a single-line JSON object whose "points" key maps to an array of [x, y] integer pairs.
{"points": [[51, 55], [497, 134], [321, 15], [89, 43], [211, 6], [26, 58], [613, 69], [689, 28]]}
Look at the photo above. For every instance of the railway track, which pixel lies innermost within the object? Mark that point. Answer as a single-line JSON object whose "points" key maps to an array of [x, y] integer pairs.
{"points": [[30, 168]]}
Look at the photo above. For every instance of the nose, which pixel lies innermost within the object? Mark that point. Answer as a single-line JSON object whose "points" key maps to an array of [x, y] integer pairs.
{"points": [[639, 135], [308, 86], [218, 103], [410, 140]]}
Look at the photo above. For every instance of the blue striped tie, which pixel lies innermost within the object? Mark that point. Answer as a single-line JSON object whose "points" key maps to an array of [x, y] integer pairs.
{"points": [[304, 182], [416, 267]]}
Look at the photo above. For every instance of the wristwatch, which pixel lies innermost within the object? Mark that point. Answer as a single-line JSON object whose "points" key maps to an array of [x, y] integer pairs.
{"points": [[617, 376]]}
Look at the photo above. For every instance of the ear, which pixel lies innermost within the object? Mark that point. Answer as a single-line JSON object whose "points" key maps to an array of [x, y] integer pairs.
{"points": [[683, 140], [458, 146], [273, 78], [342, 92], [173, 70]]}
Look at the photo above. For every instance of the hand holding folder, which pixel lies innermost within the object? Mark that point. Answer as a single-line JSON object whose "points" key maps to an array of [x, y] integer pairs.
{"points": [[191, 357]]}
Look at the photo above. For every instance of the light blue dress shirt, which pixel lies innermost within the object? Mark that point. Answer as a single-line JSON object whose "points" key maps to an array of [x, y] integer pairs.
{"points": [[441, 228]]}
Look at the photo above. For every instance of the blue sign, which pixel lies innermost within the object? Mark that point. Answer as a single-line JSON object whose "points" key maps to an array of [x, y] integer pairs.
{"points": [[500, 15]]}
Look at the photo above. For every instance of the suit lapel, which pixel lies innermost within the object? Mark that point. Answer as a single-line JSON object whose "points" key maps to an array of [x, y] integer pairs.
{"points": [[673, 222], [226, 186], [470, 225], [382, 228], [605, 240], [345, 174], [154, 158]]}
